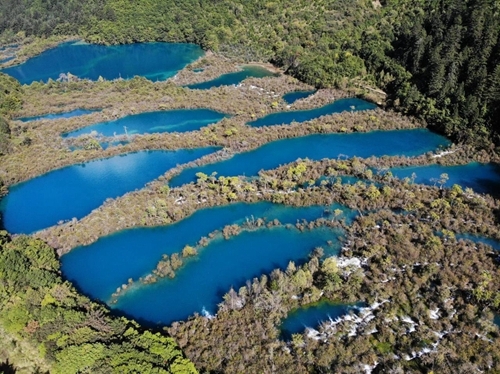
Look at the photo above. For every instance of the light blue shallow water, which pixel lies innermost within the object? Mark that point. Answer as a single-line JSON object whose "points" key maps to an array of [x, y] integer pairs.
{"points": [[292, 97], [179, 120], [73, 113], [317, 147], [312, 316], [76, 190], [155, 61], [338, 106], [482, 178], [200, 285], [233, 78], [100, 268]]}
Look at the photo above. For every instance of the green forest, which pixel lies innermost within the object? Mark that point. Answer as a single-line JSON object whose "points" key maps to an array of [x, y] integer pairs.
{"points": [[437, 60]]}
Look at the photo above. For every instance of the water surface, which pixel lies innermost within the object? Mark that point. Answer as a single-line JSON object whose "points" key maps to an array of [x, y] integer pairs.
{"points": [[493, 243], [312, 316], [482, 178], [179, 120], [76, 190], [100, 268], [292, 97], [73, 113], [249, 71], [199, 286], [317, 147], [338, 106], [155, 61]]}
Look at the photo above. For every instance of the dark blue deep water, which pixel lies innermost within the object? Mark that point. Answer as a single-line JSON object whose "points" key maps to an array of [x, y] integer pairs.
{"points": [[100, 268], [73, 113], [338, 106], [317, 147], [249, 71], [482, 178], [76, 190], [199, 286], [292, 97], [155, 61], [180, 120], [312, 316]]}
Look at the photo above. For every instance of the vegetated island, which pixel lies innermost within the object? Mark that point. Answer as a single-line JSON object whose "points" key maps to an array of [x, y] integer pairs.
{"points": [[431, 296]]}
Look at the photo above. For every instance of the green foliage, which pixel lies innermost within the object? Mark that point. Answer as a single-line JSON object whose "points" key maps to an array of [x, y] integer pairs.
{"points": [[10, 96], [74, 334]]}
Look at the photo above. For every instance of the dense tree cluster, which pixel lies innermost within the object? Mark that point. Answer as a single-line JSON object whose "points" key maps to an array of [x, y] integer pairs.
{"points": [[71, 333], [44, 18]]}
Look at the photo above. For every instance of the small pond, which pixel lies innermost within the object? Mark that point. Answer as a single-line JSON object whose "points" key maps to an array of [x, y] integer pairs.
{"points": [[179, 120], [248, 71], [312, 316], [76, 190], [317, 147], [292, 97], [338, 106], [155, 61]]}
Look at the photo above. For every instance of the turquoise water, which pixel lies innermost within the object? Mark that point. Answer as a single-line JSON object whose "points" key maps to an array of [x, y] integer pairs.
{"points": [[200, 285], [338, 106], [179, 120], [233, 78], [134, 253], [76, 190], [73, 113], [317, 147], [496, 320], [155, 61], [312, 316], [495, 244], [292, 97], [482, 178]]}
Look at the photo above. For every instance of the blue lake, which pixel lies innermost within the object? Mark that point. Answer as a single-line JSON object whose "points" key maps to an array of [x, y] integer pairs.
{"points": [[76, 190], [338, 106], [73, 113], [155, 61], [249, 71], [482, 178], [180, 120], [292, 97], [317, 147], [312, 316], [100, 268], [200, 285]]}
